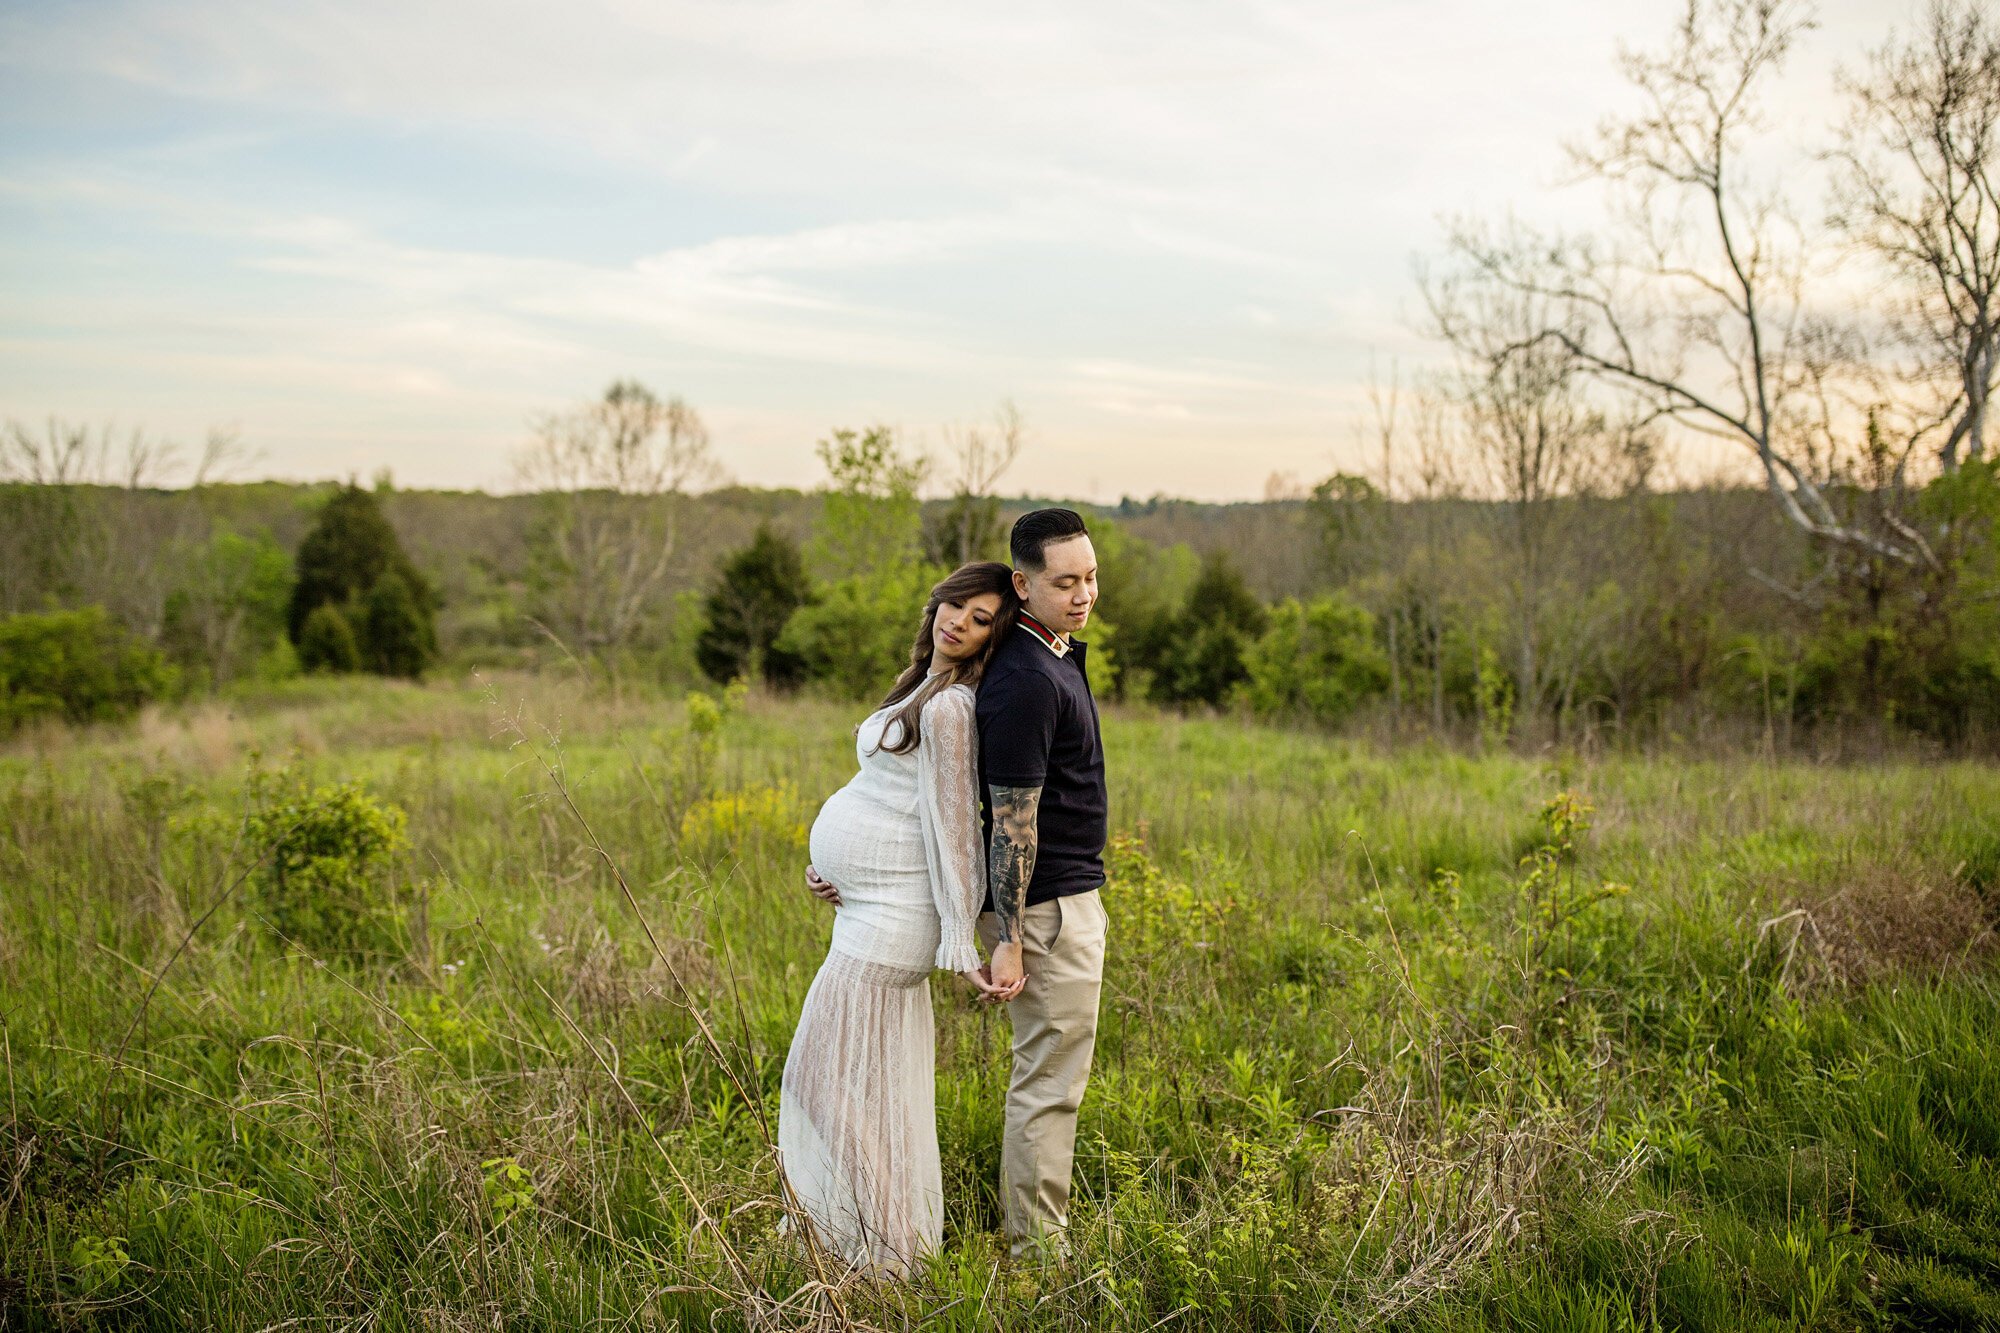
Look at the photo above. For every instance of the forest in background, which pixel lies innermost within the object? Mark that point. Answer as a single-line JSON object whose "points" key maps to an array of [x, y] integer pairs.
{"points": [[1637, 615], [1531, 564]]}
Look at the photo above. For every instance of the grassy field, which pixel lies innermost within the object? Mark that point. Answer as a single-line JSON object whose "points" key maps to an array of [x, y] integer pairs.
{"points": [[1390, 1039]]}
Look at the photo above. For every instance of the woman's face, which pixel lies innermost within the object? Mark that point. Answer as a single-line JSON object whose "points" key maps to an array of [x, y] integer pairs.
{"points": [[962, 628]]}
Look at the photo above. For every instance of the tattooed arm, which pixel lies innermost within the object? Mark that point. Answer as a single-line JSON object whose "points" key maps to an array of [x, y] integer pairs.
{"points": [[1010, 866]]}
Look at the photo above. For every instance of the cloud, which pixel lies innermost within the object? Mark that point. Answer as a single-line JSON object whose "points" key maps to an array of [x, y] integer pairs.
{"points": [[1148, 219], [753, 293]]}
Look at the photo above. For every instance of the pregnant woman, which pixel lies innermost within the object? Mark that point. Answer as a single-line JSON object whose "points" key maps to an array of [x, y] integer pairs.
{"points": [[900, 854]]}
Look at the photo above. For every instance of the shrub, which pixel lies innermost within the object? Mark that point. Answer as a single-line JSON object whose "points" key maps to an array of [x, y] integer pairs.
{"points": [[857, 636], [1145, 585], [323, 876], [1493, 691], [227, 612], [327, 642], [508, 1187], [400, 639], [80, 665], [98, 1265], [1318, 658]]}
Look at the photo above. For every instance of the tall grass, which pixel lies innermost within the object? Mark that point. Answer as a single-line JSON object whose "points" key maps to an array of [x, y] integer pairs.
{"points": [[1388, 1039]]}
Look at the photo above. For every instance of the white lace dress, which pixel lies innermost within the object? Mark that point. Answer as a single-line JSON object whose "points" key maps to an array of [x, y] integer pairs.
{"points": [[857, 1115]]}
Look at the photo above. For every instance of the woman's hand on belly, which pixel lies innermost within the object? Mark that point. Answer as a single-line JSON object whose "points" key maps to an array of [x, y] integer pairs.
{"points": [[820, 888]]}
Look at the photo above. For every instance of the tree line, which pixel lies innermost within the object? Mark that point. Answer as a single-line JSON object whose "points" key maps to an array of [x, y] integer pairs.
{"points": [[1655, 612], [1530, 561]]}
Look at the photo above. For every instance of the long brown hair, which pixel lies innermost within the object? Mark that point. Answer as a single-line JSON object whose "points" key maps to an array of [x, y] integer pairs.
{"points": [[916, 684]]}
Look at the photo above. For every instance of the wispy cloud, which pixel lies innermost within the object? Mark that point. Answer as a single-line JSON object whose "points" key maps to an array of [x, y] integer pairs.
{"points": [[1176, 232]]}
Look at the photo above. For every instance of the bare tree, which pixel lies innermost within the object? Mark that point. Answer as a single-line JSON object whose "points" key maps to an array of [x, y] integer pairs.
{"points": [[1384, 403], [1530, 428], [1282, 486], [1395, 542], [979, 456], [614, 474], [1916, 191], [86, 521], [1430, 575], [1696, 303], [65, 453]]}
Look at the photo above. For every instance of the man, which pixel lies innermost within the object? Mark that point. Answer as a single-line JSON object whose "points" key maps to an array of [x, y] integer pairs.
{"points": [[1041, 766]]}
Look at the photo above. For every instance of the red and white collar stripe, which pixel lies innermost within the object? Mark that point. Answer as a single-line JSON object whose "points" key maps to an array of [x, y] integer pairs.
{"points": [[1050, 640]]}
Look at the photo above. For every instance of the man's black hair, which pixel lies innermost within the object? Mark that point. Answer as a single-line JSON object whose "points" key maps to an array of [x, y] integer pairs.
{"points": [[1035, 530]]}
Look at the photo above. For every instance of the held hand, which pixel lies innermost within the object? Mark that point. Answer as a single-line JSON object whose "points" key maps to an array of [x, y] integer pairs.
{"points": [[820, 888], [1007, 971], [982, 981]]}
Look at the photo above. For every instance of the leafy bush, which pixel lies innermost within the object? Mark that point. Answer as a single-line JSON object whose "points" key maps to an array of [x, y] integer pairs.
{"points": [[857, 636], [508, 1187], [1493, 692], [227, 614], [80, 665], [327, 642], [1318, 657], [323, 876], [98, 1264], [1144, 586]]}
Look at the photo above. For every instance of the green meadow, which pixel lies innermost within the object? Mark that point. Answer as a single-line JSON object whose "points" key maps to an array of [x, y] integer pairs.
{"points": [[356, 1004]]}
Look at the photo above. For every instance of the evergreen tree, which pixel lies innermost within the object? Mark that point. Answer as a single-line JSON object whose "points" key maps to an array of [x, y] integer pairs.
{"points": [[327, 642], [759, 588], [350, 549], [1200, 653], [399, 635]]}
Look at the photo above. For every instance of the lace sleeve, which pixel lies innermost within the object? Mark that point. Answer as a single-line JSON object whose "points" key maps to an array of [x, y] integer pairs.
{"points": [[948, 807]]}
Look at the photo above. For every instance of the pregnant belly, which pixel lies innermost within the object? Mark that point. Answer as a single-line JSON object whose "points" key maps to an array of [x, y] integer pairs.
{"points": [[869, 852]]}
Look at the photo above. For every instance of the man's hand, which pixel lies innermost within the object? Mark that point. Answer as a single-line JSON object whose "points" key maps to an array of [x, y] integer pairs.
{"points": [[820, 888], [1007, 971]]}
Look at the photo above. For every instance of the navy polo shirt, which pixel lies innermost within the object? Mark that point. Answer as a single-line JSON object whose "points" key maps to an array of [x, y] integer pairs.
{"points": [[1038, 728]]}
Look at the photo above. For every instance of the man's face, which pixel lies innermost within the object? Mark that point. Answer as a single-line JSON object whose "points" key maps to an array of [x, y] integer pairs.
{"points": [[1061, 593]]}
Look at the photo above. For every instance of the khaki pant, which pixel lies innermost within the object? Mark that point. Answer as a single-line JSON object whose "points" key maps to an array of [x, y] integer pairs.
{"points": [[1055, 1031]]}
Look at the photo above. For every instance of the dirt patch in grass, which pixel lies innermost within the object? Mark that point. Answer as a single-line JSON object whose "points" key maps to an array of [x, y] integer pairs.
{"points": [[1882, 920]]}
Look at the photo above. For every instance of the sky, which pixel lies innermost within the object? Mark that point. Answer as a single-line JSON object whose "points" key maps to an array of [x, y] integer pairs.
{"points": [[1178, 237]]}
